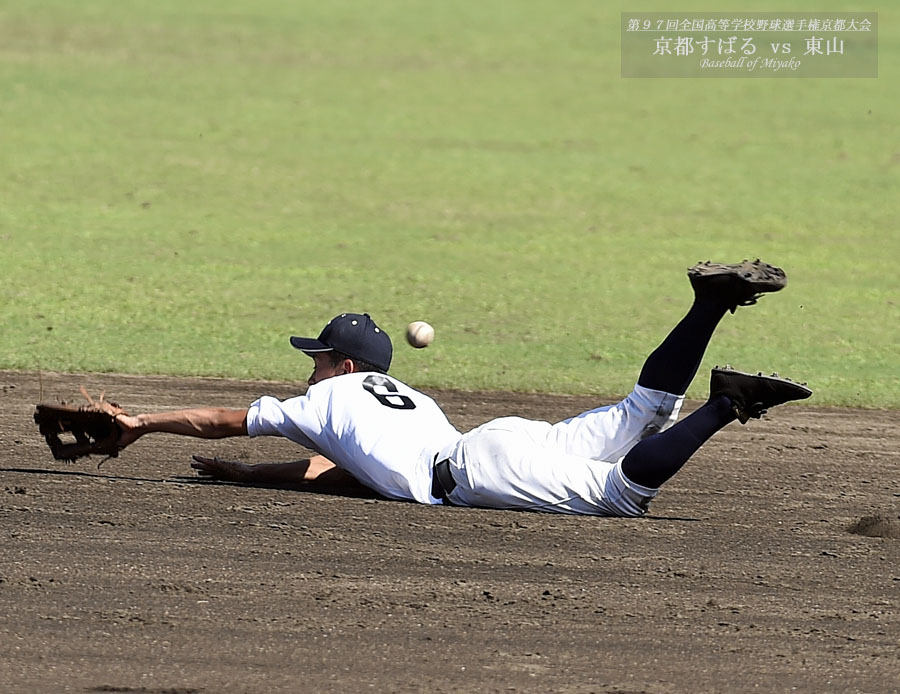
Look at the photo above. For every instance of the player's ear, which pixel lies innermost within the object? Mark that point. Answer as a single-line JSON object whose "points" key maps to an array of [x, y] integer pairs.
{"points": [[348, 366]]}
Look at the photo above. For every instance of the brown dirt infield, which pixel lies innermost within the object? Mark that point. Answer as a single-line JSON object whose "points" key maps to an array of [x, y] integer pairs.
{"points": [[770, 563]]}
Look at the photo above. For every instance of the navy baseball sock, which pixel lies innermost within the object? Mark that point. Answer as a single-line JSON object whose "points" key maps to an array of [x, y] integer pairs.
{"points": [[655, 459], [672, 366]]}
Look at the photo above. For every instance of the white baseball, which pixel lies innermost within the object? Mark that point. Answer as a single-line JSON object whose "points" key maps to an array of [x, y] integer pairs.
{"points": [[419, 334]]}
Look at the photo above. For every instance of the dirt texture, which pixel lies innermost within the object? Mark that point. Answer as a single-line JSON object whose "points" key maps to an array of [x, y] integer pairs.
{"points": [[770, 563]]}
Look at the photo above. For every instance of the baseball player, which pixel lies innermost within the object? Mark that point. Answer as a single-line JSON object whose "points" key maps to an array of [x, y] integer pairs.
{"points": [[397, 441]]}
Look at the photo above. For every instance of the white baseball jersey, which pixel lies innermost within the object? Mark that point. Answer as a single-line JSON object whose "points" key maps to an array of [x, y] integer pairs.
{"points": [[375, 427], [387, 435]]}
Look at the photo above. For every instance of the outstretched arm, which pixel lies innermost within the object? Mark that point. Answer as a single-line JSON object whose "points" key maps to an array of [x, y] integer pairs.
{"points": [[317, 471], [217, 423], [204, 423]]}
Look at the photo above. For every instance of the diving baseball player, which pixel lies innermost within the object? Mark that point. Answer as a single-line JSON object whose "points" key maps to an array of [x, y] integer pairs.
{"points": [[397, 441]]}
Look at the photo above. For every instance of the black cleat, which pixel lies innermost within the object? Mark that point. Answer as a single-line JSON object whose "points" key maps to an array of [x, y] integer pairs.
{"points": [[751, 395], [736, 285]]}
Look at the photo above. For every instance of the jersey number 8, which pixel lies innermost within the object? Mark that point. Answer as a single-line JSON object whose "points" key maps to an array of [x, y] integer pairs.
{"points": [[377, 385]]}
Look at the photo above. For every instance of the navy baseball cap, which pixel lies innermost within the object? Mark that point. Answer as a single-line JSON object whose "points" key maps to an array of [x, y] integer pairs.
{"points": [[353, 334]]}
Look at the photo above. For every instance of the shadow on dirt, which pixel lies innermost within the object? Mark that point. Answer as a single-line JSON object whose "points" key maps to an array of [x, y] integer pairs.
{"points": [[308, 487]]}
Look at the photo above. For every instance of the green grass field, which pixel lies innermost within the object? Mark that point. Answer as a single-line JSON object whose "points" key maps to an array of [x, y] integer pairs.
{"points": [[184, 185]]}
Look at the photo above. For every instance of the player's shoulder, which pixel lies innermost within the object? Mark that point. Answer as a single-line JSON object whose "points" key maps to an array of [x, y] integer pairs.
{"points": [[363, 385], [360, 380]]}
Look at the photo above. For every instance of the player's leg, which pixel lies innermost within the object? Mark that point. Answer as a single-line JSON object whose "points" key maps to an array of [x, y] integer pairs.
{"points": [[656, 459], [507, 464], [733, 395], [717, 288], [608, 433]]}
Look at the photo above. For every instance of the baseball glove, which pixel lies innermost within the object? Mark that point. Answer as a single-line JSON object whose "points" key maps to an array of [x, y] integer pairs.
{"points": [[93, 427]]}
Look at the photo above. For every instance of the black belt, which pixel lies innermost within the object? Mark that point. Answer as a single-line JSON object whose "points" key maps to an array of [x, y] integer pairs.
{"points": [[442, 482]]}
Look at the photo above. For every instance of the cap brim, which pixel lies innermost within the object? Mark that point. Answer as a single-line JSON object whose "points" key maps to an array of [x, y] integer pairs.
{"points": [[310, 345]]}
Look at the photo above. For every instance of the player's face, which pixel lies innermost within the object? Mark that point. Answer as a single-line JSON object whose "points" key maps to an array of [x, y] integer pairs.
{"points": [[324, 368]]}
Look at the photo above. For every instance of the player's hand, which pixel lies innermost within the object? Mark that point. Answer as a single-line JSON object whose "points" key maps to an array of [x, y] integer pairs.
{"points": [[230, 471], [129, 430]]}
